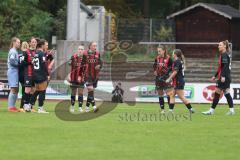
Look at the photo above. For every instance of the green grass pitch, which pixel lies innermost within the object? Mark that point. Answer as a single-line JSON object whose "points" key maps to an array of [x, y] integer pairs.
{"points": [[121, 134]]}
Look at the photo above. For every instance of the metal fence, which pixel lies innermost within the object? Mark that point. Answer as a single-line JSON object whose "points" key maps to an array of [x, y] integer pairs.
{"points": [[138, 30]]}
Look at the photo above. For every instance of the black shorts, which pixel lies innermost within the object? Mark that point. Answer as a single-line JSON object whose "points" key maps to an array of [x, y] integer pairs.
{"points": [[92, 82], [161, 84], [21, 79], [224, 85], [21, 76], [28, 81], [179, 86], [77, 85]]}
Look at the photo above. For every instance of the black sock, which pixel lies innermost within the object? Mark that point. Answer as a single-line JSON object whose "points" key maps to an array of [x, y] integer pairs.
{"points": [[215, 100], [189, 106], [229, 100], [41, 98], [33, 98], [88, 102], [23, 94], [80, 100], [168, 99], [26, 98], [22, 100], [171, 106], [161, 102], [91, 98], [73, 98], [30, 95], [30, 99]]}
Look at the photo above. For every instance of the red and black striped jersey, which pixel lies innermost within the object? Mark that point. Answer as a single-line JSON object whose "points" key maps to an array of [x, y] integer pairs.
{"points": [[78, 67], [162, 65], [93, 59], [27, 62]]}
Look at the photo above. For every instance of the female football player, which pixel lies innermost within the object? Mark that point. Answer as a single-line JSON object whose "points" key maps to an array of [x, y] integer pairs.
{"points": [[28, 71], [24, 47], [93, 67], [162, 67], [177, 77], [49, 58], [40, 75], [223, 77], [12, 74], [49, 64], [76, 77]]}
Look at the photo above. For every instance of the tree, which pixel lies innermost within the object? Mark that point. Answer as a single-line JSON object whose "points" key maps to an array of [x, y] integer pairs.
{"points": [[52, 6], [60, 23], [43, 18], [22, 18]]}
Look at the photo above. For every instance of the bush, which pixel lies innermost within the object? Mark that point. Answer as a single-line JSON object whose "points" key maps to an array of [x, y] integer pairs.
{"points": [[39, 25]]}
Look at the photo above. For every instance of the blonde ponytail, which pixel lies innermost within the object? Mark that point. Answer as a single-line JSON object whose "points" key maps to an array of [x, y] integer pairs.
{"points": [[228, 47], [14, 39]]}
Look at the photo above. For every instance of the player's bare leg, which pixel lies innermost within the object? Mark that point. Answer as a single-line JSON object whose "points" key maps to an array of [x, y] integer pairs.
{"points": [[181, 96], [217, 93], [171, 94]]}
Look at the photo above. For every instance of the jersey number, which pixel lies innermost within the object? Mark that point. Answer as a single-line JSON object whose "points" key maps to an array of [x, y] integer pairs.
{"points": [[36, 63], [183, 69], [21, 59]]}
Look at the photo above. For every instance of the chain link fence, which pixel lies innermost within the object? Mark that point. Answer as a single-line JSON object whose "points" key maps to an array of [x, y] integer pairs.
{"points": [[151, 30]]}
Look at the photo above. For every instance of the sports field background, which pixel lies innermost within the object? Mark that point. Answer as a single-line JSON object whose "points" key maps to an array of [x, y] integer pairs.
{"points": [[43, 136]]}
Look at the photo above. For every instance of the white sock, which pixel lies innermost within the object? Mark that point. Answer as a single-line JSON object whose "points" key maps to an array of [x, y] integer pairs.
{"points": [[211, 110], [170, 110], [231, 109], [40, 107]]}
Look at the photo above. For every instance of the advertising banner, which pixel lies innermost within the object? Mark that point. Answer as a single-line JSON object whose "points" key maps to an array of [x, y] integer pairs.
{"points": [[4, 89], [195, 92], [141, 92]]}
